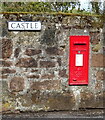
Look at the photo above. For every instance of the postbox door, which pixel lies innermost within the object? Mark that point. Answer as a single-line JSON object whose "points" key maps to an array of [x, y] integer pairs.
{"points": [[79, 60]]}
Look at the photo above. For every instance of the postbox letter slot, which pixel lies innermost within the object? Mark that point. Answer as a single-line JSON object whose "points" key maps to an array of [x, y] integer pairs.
{"points": [[79, 43]]}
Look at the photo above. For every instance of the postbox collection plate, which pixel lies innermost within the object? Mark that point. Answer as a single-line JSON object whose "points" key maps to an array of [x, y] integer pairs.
{"points": [[79, 60]]}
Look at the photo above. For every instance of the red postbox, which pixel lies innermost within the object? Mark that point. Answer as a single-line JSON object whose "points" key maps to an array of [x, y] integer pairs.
{"points": [[79, 60]]}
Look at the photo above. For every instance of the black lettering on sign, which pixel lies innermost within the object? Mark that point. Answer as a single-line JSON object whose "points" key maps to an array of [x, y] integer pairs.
{"points": [[36, 25], [27, 25], [18, 26], [31, 25], [12, 25], [22, 24]]}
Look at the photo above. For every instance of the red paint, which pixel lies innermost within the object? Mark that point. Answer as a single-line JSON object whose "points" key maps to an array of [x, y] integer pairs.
{"points": [[78, 75]]}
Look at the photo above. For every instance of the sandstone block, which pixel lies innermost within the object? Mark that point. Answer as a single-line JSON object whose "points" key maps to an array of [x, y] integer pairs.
{"points": [[46, 85], [47, 76], [31, 52], [54, 51], [54, 101], [98, 60], [7, 70], [33, 76], [7, 46], [47, 64], [94, 37], [62, 73], [3, 76], [17, 84], [100, 75], [88, 100], [5, 63], [26, 62]]}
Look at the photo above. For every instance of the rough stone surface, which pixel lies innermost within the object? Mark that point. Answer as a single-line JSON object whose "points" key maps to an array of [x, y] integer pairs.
{"points": [[7, 70], [16, 52], [47, 76], [54, 51], [47, 64], [63, 101], [46, 85], [5, 63], [31, 52], [88, 100], [34, 70], [33, 76], [25, 100], [62, 73], [35, 65], [26, 62], [99, 86], [100, 75], [59, 61], [3, 76], [95, 37], [48, 36], [7, 46], [98, 60], [17, 84]]}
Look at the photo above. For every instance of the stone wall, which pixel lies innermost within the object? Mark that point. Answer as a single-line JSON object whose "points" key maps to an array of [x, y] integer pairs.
{"points": [[34, 65]]}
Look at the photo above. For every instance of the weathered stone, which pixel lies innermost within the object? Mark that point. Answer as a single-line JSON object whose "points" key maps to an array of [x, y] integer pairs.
{"points": [[31, 52], [34, 70], [7, 70], [4, 87], [27, 18], [51, 101], [54, 51], [59, 61], [16, 52], [47, 64], [96, 47], [5, 63], [94, 37], [47, 76], [49, 37], [53, 57], [46, 85], [98, 60], [3, 77], [36, 97], [25, 100], [100, 75], [104, 50], [99, 85], [62, 73], [8, 99], [54, 101], [3, 26], [17, 84], [7, 46], [33, 76], [26, 62], [89, 100], [64, 101], [41, 57]]}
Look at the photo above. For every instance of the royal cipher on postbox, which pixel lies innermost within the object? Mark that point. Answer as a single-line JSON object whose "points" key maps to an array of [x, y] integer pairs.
{"points": [[79, 60]]}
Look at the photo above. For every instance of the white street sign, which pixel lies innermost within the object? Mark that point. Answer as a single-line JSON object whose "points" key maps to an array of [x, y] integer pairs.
{"points": [[17, 25]]}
